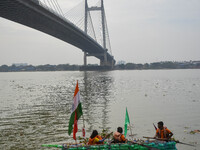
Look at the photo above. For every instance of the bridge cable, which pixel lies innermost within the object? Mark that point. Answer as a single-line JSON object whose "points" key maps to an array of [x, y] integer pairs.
{"points": [[55, 7], [49, 4], [108, 40], [59, 8], [76, 15], [92, 27]]}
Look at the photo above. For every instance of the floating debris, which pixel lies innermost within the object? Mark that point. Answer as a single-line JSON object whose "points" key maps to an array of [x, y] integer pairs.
{"points": [[195, 101], [186, 127], [194, 131]]}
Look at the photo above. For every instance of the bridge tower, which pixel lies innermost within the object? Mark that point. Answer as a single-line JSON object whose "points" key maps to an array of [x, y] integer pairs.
{"points": [[103, 62]]}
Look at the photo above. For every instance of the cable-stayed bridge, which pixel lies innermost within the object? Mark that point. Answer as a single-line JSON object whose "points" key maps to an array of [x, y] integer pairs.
{"points": [[47, 16]]}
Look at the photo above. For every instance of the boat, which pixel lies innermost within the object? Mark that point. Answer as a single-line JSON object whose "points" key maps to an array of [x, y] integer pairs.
{"points": [[122, 146], [108, 145]]}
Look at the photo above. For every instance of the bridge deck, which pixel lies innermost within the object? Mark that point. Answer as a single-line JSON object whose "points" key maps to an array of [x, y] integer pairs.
{"points": [[31, 14]]}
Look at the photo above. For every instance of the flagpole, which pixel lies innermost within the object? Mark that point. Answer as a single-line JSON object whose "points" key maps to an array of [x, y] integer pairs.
{"points": [[83, 127], [76, 142], [83, 122], [131, 131]]}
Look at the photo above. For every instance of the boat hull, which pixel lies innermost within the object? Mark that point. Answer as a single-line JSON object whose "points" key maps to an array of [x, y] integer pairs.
{"points": [[146, 146]]}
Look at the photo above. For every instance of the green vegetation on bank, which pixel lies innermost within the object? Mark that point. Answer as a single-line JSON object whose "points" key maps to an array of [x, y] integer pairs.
{"points": [[160, 65], [47, 67], [127, 66]]}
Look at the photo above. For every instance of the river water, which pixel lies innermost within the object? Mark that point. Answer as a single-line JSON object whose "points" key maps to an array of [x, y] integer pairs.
{"points": [[35, 106]]}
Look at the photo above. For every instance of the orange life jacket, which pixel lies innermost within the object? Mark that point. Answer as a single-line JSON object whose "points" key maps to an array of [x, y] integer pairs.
{"points": [[119, 137], [165, 134], [91, 141]]}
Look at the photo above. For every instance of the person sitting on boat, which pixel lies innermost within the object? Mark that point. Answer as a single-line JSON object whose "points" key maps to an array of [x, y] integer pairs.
{"points": [[162, 132], [118, 136], [95, 138]]}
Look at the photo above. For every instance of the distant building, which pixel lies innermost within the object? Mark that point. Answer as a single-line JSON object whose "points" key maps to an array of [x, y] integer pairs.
{"points": [[121, 62], [20, 64], [196, 62]]}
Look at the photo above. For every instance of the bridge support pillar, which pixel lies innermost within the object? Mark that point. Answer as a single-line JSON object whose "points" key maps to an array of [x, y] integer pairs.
{"points": [[105, 57], [104, 61], [85, 59]]}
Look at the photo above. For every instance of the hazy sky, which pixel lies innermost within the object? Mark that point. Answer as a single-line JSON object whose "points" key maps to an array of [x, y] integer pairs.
{"points": [[140, 31]]}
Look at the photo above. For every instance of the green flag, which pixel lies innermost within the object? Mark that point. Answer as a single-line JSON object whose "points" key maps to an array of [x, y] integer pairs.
{"points": [[126, 123]]}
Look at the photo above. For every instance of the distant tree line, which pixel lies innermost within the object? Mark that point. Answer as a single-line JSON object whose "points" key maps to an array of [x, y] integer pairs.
{"points": [[159, 65], [47, 67], [124, 66]]}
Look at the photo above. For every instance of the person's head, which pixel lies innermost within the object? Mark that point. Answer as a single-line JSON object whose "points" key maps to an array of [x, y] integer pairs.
{"points": [[94, 133], [119, 129], [160, 124]]}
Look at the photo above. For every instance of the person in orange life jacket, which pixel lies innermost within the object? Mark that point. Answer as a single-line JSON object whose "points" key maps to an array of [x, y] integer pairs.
{"points": [[118, 136], [162, 132], [95, 138]]}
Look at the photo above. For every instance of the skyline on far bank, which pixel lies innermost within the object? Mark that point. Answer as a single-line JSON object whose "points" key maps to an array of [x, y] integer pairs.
{"points": [[23, 67], [117, 63]]}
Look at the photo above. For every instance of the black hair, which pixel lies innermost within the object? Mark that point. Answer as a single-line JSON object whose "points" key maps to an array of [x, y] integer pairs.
{"points": [[94, 133], [161, 123], [119, 129]]}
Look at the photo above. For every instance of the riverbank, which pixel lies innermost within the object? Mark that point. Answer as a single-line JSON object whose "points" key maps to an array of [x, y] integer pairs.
{"points": [[122, 66]]}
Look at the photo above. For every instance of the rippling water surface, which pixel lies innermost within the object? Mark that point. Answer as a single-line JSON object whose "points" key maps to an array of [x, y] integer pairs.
{"points": [[35, 106]]}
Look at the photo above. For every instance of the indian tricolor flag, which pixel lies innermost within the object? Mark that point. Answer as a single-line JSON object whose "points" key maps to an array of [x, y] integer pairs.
{"points": [[75, 113]]}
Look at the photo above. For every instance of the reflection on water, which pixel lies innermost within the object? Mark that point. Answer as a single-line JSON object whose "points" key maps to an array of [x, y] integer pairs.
{"points": [[35, 107], [97, 95]]}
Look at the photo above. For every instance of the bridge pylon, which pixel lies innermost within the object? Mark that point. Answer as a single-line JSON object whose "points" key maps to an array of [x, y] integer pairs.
{"points": [[104, 60]]}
